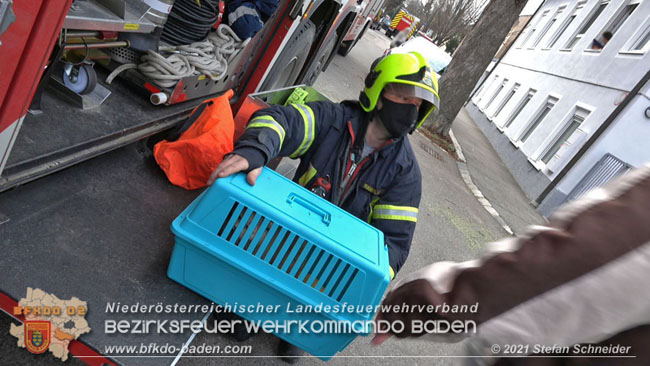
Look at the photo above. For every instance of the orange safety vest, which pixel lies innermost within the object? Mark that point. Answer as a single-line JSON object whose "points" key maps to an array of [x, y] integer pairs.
{"points": [[189, 161]]}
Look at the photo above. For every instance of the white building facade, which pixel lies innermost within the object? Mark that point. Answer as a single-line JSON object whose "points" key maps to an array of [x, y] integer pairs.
{"points": [[566, 109]]}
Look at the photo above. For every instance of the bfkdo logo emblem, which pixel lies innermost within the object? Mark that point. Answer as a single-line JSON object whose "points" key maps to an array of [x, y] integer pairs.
{"points": [[37, 335]]}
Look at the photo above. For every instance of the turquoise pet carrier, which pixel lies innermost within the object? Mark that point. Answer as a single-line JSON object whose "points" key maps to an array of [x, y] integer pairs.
{"points": [[322, 270]]}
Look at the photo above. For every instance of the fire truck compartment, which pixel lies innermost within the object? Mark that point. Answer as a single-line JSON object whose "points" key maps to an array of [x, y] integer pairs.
{"points": [[64, 134]]}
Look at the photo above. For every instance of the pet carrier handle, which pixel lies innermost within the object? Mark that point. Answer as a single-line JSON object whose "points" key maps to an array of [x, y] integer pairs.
{"points": [[327, 218]]}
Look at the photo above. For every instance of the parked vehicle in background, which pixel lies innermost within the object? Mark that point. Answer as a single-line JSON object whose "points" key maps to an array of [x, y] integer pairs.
{"points": [[364, 15], [403, 20], [376, 20], [437, 58], [425, 36], [384, 23]]}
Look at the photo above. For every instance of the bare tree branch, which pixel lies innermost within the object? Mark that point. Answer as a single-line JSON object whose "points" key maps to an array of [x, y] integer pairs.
{"points": [[471, 58], [446, 19], [451, 18]]}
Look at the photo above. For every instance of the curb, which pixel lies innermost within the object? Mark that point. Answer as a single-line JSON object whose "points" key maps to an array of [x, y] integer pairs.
{"points": [[467, 178], [459, 150]]}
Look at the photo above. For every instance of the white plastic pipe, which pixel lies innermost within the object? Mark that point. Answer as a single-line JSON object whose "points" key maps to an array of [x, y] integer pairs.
{"points": [[158, 98]]}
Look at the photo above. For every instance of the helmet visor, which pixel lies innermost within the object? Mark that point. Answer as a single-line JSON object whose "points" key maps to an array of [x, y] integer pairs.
{"points": [[409, 90]]}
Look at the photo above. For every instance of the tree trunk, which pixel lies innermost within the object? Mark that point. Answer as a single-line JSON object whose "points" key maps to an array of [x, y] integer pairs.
{"points": [[471, 59]]}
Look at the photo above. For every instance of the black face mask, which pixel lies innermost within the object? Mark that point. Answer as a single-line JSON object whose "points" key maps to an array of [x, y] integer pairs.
{"points": [[398, 118]]}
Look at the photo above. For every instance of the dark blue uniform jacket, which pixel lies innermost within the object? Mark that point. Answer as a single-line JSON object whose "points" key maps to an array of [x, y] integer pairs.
{"points": [[382, 189]]}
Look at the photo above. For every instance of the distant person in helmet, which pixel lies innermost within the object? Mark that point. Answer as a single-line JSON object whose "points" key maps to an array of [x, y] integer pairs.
{"points": [[354, 154]]}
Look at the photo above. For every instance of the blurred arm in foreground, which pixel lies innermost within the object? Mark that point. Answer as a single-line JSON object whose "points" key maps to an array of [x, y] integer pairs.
{"points": [[582, 279]]}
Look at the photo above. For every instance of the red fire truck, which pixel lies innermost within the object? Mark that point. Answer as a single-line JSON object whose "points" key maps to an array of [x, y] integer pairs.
{"points": [[403, 20], [98, 230], [293, 47], [365, 14]]}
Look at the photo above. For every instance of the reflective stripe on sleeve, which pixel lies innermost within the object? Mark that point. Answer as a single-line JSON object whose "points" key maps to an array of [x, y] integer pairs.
{"points": [[309, 174], [392, 272], [241, 11], [390, 212], [267, 122], [372, 208], [308, 118]]}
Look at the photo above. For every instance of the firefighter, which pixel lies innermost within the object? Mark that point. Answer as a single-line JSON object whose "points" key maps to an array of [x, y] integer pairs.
{"points": [[354, 154]]}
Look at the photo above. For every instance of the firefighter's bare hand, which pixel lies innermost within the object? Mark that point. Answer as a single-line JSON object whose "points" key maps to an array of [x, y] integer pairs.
{"points": [[234, 164]]}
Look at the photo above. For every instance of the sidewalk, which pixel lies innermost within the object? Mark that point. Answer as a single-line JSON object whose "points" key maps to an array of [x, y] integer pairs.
{"points": [[492, 177]]}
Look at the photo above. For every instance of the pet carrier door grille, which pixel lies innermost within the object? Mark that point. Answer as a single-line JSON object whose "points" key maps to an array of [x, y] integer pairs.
{"points": [[286, 251], [275, 243]]}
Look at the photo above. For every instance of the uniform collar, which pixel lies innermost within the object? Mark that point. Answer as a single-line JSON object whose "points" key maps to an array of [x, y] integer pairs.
{"points": [[359, 120]]}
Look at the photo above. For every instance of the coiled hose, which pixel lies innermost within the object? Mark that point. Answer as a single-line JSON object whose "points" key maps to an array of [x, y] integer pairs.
{"points": [[188, 22], [210, 58]]}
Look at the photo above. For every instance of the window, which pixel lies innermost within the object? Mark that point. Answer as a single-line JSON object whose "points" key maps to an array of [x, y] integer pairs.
{"points": [[506, 99], [575, 122], [505, 81], [616, 23], [641, 42], [539, 23], [558, 33], [622, 17], [520, 107], [549, 25], [587, 24], [550, 103], [484, 88], [522, 40]]}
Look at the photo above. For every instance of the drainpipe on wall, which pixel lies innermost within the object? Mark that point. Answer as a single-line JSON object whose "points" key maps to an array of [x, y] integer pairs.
{"points": [[583, 150]]}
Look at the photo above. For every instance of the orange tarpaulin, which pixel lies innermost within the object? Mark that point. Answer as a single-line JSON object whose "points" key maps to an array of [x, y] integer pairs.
{"points": [[189, 161]]}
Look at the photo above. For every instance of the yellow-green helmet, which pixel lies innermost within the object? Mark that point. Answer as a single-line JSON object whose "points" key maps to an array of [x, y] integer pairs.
{"points": [[407, 69]]}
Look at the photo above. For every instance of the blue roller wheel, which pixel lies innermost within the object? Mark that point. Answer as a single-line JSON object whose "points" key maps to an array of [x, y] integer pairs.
{"points": [[81, 81]]}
